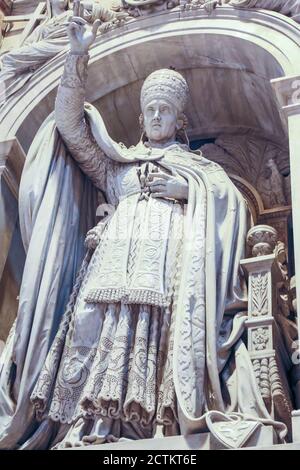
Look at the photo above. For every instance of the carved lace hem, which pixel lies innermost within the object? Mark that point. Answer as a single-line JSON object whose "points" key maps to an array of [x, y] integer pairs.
{"points": [[92, 409], [127, 296]]}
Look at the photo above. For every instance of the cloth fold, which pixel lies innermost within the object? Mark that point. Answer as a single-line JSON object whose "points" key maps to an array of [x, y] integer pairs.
{"points": [[56, 211], [57, 206]]}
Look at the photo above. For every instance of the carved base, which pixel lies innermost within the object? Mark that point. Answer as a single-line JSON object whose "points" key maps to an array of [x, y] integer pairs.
{"points": [[204, 441]]}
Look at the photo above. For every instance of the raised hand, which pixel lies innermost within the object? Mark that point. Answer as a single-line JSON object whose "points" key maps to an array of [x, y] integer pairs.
{"points": [[162, 185], [81, 35]]}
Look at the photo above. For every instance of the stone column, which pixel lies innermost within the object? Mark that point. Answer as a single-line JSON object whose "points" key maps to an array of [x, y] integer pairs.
{"points": [[287, 92]]}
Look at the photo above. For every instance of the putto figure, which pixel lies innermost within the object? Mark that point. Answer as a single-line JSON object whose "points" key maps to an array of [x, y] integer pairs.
{"points": [[49, 39], [150, 339]]}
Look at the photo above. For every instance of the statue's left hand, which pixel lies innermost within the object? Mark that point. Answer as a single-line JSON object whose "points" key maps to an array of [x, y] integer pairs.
{"points": [[162, 185]]}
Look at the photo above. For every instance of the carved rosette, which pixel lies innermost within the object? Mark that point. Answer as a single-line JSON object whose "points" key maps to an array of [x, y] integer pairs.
{"points": [[262, 239], [260, 338]]}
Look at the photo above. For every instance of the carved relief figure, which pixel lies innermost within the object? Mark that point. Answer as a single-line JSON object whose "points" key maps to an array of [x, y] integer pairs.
{"points": [[286, 7], [271, 185], [49, 39], [151, 334]]}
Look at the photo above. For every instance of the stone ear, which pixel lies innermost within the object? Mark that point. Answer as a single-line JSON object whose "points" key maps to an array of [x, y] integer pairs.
{"points": [[143, 137], [179, 124], [182, 122]]}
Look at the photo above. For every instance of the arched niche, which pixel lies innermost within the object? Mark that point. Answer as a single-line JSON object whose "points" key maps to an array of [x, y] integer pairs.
{"points": [[228, 58]]}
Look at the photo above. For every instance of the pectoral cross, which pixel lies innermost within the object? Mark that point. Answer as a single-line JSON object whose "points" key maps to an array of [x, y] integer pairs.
{"points": [[145, 173]]}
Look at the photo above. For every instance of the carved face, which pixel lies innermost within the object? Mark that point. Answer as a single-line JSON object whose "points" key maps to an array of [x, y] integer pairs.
{"points": [[160, 120], [59, 4]]}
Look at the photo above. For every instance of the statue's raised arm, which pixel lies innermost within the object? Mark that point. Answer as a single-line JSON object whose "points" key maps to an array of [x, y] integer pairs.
{"points": [[70, 102]]}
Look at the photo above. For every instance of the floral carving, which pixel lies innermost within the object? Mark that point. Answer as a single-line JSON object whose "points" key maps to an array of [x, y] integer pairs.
{"points": [[259, 286], [260, 338]]}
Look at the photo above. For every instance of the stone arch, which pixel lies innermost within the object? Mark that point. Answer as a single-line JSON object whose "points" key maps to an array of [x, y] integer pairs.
{"points": [[244, 48], [255, 45]]}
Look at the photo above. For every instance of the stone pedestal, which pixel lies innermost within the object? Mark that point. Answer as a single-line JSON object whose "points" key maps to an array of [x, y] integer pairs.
{"points": [[296, 425]]}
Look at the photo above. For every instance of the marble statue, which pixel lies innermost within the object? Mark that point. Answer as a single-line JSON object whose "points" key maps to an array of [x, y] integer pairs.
{"points": [[49, 39], [147, 338]]}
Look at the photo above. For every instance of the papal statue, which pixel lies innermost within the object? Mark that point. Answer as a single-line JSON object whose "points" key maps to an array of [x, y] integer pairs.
{"points": [[147, 338]]}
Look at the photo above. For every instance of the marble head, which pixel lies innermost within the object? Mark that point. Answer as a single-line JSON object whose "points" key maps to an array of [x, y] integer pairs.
{"points": [[163, 98], [165, 84]]}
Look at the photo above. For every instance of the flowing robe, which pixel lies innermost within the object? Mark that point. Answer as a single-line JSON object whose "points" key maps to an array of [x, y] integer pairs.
{"points": [[154, 333], [137, 341]]}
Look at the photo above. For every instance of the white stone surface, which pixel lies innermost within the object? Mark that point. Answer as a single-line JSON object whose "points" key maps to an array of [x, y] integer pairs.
{"points": [[224, 56], [193, 442]]}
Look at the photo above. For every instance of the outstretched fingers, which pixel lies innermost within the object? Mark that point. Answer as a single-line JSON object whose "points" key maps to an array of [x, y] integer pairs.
{"points": [[95, 27], [81, 10], [79, 20], [76, 8], [72, 30]]}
